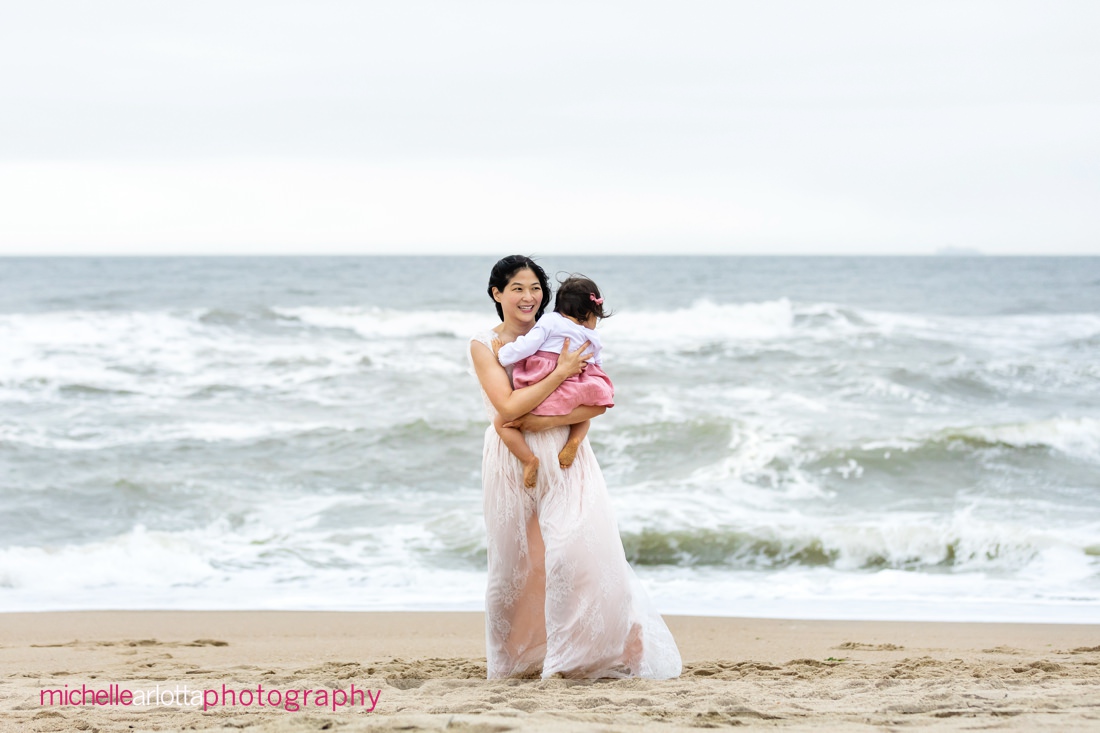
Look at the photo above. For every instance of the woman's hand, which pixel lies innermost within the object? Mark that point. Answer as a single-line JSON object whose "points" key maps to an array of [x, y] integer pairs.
{"points": [[572, 362], [532, 423]]}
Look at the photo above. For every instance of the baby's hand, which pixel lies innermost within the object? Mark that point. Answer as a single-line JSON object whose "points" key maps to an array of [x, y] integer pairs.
{"points": [[497, 343]]}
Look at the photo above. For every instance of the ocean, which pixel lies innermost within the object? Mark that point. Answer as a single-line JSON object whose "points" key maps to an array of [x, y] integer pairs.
{"points": [[797, 437]]}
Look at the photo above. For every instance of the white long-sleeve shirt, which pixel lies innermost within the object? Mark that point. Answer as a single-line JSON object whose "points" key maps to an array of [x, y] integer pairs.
{"points": [[549, 334]]}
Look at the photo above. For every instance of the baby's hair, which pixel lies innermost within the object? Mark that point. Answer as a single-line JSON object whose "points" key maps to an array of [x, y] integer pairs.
{"points": [[577, 298]]}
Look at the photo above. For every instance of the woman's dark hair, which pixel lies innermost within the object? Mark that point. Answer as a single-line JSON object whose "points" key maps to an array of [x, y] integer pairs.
{"points": [[577, 296], [503, 271]]}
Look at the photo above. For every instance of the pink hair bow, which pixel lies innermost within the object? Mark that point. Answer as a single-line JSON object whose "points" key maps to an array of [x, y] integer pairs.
{"points": [[597, 301]]}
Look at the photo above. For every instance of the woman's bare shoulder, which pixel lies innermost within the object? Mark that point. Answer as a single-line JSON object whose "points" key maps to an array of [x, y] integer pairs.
{"points": [[485, 337]]}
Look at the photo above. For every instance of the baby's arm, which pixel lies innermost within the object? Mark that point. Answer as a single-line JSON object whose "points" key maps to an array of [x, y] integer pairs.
{"points": [[523, 346], [597, 346]]}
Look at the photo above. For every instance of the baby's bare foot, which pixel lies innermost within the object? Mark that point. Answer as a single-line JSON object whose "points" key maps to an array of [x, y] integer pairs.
{"points": [[531, 473], [568, 453]]}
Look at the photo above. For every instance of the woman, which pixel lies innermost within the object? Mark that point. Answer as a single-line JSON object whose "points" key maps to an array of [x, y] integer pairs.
{"points": [[562, 598]]}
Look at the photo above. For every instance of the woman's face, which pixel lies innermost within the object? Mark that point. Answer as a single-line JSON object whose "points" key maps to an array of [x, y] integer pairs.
{"points": [[521, 297]]}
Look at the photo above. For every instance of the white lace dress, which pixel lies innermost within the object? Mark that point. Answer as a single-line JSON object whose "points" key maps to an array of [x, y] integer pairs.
{"points": [[562, 598]]}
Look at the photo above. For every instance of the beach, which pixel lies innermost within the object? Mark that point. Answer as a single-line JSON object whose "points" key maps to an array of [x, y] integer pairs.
{"points": [[843, 266], [287, 452], [426, 671]]}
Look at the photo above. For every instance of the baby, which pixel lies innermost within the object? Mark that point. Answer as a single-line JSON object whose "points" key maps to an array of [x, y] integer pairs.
{"points": [[577, 308]]}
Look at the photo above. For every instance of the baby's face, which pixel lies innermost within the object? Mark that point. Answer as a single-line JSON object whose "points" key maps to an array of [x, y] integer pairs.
{"points": [[591, 322]]}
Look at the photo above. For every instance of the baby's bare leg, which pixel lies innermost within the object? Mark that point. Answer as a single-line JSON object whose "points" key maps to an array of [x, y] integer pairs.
{"points": [[513, 440], [576, 435]]}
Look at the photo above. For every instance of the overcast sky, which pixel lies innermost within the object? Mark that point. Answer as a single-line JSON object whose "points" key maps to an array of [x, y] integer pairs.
{"points": [[261, 127]]}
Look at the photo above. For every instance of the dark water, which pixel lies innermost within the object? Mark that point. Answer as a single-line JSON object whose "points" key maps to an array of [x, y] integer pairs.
{"points": [[965, 286]]}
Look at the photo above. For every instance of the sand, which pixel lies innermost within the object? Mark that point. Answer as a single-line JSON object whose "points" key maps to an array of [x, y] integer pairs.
{"points": [[425, 671]]}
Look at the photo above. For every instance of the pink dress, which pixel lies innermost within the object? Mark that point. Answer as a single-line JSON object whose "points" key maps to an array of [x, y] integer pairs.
{"points": [[591, 387], [561, 596], [535, 354]]}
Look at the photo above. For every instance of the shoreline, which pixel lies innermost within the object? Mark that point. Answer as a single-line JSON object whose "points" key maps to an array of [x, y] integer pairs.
{"points": [[428, 668], [461, 632]]}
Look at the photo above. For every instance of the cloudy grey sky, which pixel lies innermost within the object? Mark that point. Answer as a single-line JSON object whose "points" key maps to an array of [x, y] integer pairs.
{"points": [[266, 127]]}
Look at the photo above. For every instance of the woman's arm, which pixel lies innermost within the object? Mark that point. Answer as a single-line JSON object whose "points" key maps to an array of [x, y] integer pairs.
{"points": [[535, 423], [511, 403]]}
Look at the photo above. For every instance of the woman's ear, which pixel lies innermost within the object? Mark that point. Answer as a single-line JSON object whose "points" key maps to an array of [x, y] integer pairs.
{"points": [[496, 294]]}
